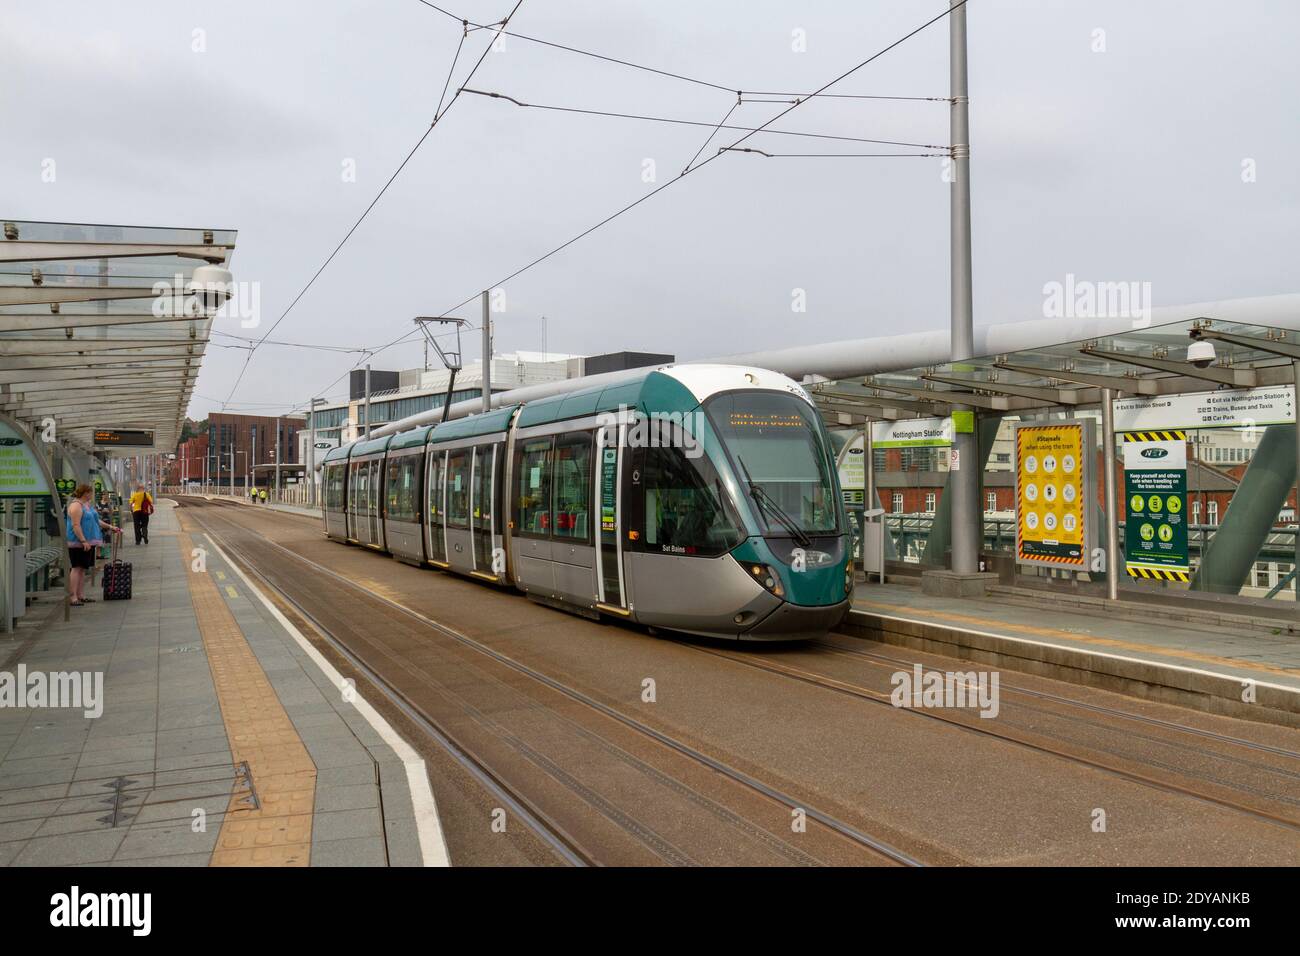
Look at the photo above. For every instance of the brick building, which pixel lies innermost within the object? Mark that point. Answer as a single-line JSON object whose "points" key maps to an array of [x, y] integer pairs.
{"points": [[246, 436], [188, 465]]}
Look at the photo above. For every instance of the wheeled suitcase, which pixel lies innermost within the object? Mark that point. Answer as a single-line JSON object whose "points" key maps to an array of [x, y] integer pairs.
{"points": [[117, 576]]}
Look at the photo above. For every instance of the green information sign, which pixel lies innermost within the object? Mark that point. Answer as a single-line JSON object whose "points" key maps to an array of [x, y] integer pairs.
{"points": [[20, 473], [1155, 494]]}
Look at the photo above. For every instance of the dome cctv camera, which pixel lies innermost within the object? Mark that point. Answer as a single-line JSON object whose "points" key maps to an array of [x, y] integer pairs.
{"points": [[211, 285], [1201, 353]]}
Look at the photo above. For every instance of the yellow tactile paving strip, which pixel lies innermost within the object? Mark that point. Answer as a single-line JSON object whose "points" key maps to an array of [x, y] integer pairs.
{"points": [[260, 732], [991, 627]]}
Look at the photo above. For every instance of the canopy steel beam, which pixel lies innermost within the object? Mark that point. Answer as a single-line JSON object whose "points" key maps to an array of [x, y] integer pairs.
{"points": [[39, 363], [40, 347], [1272, 346], [33, 322], [1121, 383], [66, 375], [853, 408], [1235, 377], [44, 294], [1055, 396], [24, 250]]}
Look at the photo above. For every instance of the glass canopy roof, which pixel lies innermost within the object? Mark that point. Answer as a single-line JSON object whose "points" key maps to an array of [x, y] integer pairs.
{"points": [[90, 359], [1144, 361]]}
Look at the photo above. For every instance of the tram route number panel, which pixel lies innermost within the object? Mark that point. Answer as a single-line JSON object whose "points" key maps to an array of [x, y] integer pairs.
{"points": [[1155, 509], [1054, 488]]}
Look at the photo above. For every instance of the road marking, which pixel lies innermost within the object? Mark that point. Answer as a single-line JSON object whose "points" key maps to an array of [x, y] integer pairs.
{"points": [[433, 843], [221, 575], [230, 589]]}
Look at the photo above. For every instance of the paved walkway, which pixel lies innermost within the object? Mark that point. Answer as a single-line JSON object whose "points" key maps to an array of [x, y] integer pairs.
{"points": [[220, 738], [1246, 654]]}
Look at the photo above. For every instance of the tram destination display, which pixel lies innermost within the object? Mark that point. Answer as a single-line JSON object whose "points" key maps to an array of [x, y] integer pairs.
{"points": [[123, 437], [1055, 491]]}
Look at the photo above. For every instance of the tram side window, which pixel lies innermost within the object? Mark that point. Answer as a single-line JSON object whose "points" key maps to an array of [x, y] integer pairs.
{"points": [[533, 487], [435, 486], [573, 487], [458, 489], [334, 488], [687, 511], [360, 488], [483, 486], [402, 488]]}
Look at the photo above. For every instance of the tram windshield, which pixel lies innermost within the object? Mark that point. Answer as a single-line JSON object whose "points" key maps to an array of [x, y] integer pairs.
{"points": [[780, 455]]}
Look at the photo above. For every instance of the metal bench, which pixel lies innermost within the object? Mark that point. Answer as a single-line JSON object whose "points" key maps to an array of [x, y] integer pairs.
{"points": [[41, 560]]}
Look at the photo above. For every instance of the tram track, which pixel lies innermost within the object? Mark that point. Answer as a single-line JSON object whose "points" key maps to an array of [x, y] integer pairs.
{"points": [[764, 662], [554, 833]]}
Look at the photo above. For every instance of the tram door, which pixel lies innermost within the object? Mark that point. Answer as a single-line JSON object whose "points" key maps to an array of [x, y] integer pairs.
{"points": [[573, 553], [609, 516], [434, 529], [362, 501], [482, 514], [375, 498], [350, 502]]}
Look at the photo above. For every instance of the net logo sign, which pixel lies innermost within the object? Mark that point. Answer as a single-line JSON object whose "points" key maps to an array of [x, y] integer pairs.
{"points": [[1155, 453]]}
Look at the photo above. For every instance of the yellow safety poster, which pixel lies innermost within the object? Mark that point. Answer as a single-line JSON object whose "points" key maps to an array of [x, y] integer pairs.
{"points": [[1051, 494]]}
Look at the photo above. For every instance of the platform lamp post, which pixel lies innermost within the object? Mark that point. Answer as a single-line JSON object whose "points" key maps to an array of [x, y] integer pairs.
{"points": [[311, 472], [233, 453], [964, 480]]}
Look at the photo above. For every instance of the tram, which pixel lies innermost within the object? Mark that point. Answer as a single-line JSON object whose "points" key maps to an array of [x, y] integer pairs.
{"points": [[694, 498]]}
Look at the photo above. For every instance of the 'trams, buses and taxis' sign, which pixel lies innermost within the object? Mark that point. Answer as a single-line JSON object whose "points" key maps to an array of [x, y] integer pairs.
{"points": [[1054, 494]]}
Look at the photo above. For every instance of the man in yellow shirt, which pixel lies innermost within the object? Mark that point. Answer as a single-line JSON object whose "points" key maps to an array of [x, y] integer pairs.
{"points": [[141, 509]]}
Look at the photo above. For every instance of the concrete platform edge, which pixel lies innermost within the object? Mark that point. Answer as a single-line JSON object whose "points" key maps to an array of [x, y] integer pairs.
{"points": [[1149, 680]]}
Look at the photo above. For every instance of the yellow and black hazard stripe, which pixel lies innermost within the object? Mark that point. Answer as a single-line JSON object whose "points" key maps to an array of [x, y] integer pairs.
{"points": [[1158, 574], [1176, 435], [1053, 558]]}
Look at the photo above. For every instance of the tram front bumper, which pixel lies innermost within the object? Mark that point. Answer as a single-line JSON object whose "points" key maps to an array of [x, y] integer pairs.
{"points": [[791, 622]]}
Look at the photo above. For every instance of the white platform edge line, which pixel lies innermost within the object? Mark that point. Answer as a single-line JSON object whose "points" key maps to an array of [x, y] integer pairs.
{"points": [[1082, 650], [433, 842]]}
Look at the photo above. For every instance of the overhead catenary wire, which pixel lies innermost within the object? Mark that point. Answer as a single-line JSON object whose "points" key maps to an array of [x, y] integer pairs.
{"points": [[685, 122], [676, 76], [750, 149], [750, 132], [330, 258]]}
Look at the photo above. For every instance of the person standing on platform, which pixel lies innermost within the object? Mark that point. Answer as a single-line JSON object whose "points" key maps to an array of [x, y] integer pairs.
{"points": [[85, 533], [141, 509], [262, 495]]}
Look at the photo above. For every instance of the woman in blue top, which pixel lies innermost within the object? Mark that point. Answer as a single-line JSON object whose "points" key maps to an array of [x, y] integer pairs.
{"points": [[85, 528]]}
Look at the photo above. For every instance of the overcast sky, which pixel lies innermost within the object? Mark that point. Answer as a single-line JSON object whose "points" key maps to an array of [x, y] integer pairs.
{"points": [[1122, 165]]}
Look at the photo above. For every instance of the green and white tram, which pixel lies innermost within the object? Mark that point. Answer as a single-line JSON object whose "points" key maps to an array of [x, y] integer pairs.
{"points": [[695, 498]]}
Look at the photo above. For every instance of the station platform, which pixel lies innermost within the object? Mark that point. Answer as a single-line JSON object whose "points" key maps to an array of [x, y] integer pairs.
{"points": [[299, 510], [1219, 663], [210, 732]]}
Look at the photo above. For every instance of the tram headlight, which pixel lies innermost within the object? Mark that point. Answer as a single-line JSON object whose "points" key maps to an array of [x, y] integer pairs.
{"points": [[767, 578]]}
